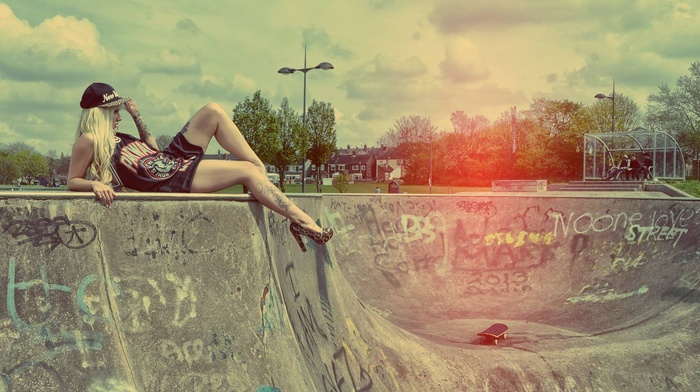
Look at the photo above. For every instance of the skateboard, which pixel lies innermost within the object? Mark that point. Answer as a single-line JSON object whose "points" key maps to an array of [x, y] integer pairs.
{"points": [[491, 334]]}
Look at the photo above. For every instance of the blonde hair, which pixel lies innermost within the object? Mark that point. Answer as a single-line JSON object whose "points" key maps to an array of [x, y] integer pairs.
{"points": [[98, 122]]}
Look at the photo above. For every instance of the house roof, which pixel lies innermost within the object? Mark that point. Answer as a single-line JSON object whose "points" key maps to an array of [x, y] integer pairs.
{"points": [[382, 152], [385, 168], [350, 159], [391, 153]]}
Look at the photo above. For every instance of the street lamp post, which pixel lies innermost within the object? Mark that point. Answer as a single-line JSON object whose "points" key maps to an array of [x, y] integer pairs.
{"points": [[430, 176], [286, 71], [612, 98]]}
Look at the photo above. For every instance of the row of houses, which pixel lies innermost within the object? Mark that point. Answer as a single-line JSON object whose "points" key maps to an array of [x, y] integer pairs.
{"points": [[361, 163]]}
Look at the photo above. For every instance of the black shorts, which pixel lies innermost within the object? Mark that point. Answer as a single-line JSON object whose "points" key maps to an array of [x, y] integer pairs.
{"points": [[181, 182]]}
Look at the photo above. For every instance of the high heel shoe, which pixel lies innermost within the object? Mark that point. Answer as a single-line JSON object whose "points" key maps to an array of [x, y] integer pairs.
{"points": [[320, 238]]}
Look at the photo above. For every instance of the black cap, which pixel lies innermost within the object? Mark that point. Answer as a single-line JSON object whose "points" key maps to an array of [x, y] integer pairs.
{"points": [[100, 95]]}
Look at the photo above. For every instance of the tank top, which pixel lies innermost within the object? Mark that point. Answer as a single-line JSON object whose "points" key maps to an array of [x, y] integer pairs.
{"points": [[137, 166]]}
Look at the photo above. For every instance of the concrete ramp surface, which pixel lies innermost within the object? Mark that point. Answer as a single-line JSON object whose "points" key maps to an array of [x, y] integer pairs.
{"points": [[211, 293]]}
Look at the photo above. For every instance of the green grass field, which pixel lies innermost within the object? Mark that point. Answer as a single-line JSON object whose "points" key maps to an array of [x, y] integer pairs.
{"points": [[368, 187], [363, 187], [691, 187]]}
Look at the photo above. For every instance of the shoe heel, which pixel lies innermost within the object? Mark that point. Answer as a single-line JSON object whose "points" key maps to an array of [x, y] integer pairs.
{"points": [[300, 242]]}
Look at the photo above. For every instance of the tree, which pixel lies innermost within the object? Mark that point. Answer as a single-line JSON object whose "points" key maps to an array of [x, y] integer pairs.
{"points": [[494, 158], [389, 139], [292, 138], [257, 121], [341, 182], [464, 124], [413, 135], [9, 169], [17, 147], [555, 138], [554, 115], [451, 156], [51, 161], [31, 164], [454, 151], [320, 122], [677, 111], [627, 114]]}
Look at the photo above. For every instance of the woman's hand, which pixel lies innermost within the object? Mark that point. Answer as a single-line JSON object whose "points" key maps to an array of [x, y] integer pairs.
{"points": [[104, 193], [131, 107], [144, 133]]}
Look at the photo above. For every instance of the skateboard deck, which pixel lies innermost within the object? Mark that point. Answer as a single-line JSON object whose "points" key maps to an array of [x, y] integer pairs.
{"points": [[491, 334]]}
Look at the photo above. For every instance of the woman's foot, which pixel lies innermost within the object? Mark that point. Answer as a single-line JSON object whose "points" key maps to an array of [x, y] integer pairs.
{"points": [[317, 234]]}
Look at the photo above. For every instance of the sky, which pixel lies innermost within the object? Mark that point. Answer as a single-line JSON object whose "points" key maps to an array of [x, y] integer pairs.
{"points": [[391, 58]]}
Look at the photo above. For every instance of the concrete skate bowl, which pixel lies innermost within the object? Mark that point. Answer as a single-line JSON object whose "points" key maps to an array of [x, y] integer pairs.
{"points": [[209, 293], [599, 293]]}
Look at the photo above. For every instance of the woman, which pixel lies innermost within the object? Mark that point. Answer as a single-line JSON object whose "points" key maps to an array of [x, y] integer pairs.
{"points": [[104, 160]]}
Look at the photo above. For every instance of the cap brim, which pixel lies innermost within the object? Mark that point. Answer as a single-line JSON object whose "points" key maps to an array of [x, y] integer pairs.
{"points": [[114, 103]]}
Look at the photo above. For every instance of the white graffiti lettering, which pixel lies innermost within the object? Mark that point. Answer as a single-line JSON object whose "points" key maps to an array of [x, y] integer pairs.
{"points": [[638, 234]]}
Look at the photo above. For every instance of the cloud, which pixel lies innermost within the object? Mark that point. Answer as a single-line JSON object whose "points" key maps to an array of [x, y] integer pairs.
{"points": [[319, 38], [458, 16], [168, 62], [58, 48], [674, 34], [463, 62], [637, 58], [372, 113], [218, 88], [188, 24], [33, 134], [391, 86], [392, 57], [384, 81], [8, 135], [380, 4]]}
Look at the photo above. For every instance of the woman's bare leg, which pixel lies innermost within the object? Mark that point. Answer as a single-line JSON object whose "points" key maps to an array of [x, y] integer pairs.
{"points": [[211, 175], [214, 175], [212, 121]]}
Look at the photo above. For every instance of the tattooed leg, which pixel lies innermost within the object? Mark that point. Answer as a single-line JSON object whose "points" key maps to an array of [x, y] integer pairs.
{"points": [[185, 128], [214, 175]]}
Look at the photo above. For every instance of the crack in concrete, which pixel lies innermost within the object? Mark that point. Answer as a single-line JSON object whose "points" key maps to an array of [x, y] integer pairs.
{"points": [[114, 313]]}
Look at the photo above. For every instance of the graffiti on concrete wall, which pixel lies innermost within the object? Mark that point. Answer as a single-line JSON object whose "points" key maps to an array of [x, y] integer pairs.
{"points": [[487, 248], [51, 232], [638, 227], [32, 307], [48, 319], [315, 333], [160, 241], [37, 316]]}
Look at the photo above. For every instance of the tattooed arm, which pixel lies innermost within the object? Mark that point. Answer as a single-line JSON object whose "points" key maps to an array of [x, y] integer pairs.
{"points": [[144, 133]]}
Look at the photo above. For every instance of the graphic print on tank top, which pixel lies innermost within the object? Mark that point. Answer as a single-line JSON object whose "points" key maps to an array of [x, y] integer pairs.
{"points": [[138, 157], [160, 166]]}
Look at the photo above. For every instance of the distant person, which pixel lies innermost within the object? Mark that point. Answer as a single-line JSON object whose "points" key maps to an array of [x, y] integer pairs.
{"points": [[616, 171], [648, 167], [625, 167], [104, 160], [377, 190], [635, 167]]}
